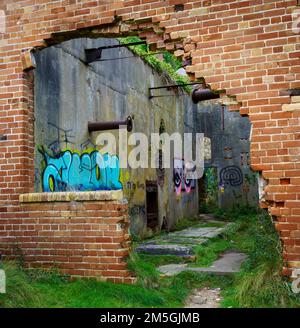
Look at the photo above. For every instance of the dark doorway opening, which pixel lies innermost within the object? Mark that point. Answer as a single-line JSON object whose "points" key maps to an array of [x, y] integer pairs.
{"points": [[202, 192], [152, 204]]}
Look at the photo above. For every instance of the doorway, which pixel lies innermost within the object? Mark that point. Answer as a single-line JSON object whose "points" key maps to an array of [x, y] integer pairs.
{"points": [[152, 204]]}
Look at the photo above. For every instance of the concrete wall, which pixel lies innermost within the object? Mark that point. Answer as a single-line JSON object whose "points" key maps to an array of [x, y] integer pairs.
{"points": [[69, 93], [229, 165]]}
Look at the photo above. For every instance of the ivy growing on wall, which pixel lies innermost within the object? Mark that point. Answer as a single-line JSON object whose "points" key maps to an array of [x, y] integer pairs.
{"points": [[167, 66]]}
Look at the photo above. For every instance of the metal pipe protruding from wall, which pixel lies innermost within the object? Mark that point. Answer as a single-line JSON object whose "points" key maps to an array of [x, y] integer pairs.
{"points": [[113, 125], [203, 94]]}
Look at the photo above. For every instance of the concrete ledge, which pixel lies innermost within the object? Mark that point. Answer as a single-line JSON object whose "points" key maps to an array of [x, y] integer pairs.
{"points": [[72, 196]]}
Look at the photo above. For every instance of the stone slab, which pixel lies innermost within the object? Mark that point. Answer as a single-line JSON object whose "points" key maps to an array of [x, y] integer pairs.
{"points": [[180, 243], [184, 241], [229, 263], [207, 232], [154, 249]]}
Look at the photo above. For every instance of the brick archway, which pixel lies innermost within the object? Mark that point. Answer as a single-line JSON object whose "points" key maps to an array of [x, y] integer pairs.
{"points": [[246, 48]]}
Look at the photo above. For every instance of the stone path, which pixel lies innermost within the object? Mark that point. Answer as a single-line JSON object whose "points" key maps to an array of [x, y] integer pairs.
{"points": [[230, 262], [204, 298], [181, 243]]}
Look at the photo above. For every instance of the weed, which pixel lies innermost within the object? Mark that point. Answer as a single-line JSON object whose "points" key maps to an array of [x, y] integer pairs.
{"points": [[167, 67]]}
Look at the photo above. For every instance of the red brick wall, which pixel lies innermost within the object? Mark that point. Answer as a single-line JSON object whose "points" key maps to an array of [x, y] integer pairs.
{"points": [[247, 48], [75, 233]]}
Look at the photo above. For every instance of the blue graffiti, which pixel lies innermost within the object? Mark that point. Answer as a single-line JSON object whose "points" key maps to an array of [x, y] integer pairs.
{"points": [[70, 171]]}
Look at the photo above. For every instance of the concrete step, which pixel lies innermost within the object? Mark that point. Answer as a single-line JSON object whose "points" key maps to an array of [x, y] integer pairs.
{"points": [[153, 249]]}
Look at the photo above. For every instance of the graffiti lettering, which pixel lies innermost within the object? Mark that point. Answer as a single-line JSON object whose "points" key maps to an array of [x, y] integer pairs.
{"points": [[70, 171], [132, 186]]}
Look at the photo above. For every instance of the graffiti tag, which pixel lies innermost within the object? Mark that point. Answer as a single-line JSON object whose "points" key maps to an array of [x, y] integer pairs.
{"points": [[71, 171]]}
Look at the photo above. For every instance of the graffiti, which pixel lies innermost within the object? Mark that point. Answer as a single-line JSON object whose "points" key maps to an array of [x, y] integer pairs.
{"points": [[180, 181], [133, 186], [88, 144], [63, 137], [231, 175], [244, 158], [137, 210], [70, 170]]}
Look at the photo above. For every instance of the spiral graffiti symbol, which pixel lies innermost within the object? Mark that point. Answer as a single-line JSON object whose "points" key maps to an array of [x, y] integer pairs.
{"points": [[231, 175]]}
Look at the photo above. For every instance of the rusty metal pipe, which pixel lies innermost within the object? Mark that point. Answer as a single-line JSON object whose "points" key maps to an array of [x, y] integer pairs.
{"points": [[113, 125], [204, 94]]}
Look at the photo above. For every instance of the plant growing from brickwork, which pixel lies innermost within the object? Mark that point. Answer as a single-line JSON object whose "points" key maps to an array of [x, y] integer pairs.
{"points": [[167, 67]]}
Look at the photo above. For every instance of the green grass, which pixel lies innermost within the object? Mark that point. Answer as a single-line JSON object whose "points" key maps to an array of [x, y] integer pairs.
{"points": [[19, 290], [90, 293], [161, 259], [259, 284], [209, 252]]}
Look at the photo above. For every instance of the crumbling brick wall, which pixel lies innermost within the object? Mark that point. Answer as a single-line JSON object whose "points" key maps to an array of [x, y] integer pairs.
{"points": [[247, 48]]}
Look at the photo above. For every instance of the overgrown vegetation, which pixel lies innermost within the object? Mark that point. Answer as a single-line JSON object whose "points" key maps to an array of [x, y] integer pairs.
{"points": [[166, 67], [211, 189], [259, 284]]}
